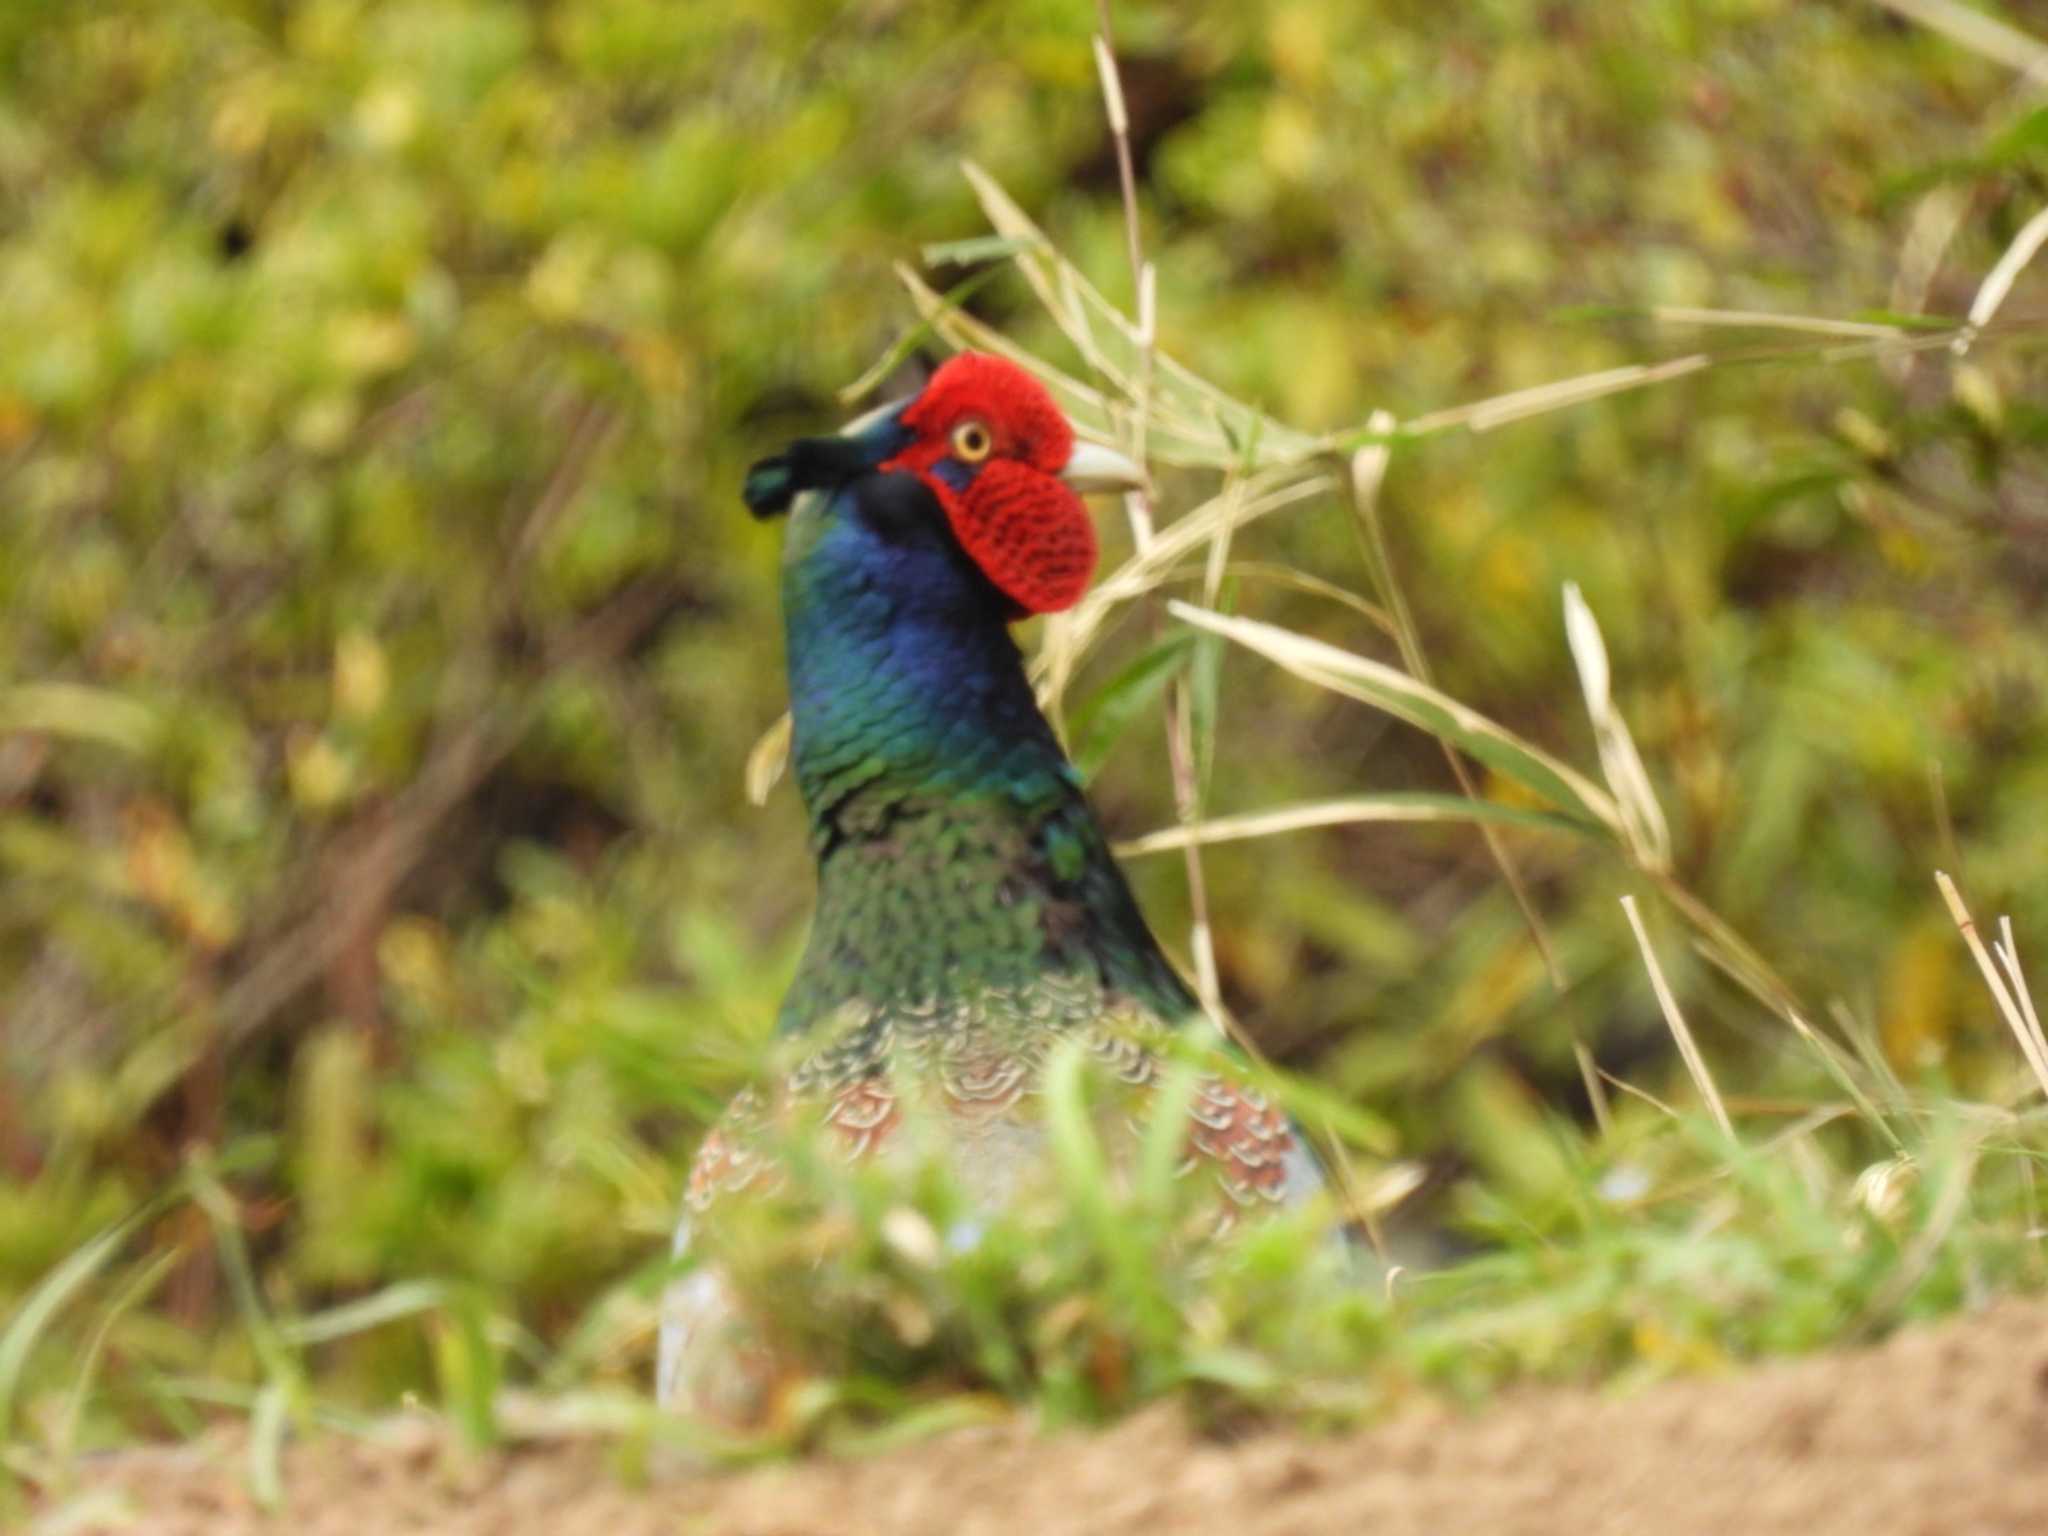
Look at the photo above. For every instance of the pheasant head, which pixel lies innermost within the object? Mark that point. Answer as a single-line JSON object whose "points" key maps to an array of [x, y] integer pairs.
{"points": [[1000, 464]]}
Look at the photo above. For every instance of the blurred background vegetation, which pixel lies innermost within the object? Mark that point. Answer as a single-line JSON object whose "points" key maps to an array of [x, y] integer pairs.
{"points": [[381, 638]]}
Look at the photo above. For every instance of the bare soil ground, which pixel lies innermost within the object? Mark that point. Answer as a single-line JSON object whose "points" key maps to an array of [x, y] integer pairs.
{"points": [[1942, 1431]]}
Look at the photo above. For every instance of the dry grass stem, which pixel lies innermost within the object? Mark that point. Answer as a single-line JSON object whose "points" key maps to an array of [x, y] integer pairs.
{"points": [[1734, 956], [2008, 951], [1764, 319], [1688, 1048], [1408, 698], [1198, 424], [1266, 571], [1145, 572], [1596, 1090], [1521, 404], [1336, 813], [2026, 1027], [1998, 282], [1180, 737], [1936, 219], [1978, 32], [1622, 1085]]}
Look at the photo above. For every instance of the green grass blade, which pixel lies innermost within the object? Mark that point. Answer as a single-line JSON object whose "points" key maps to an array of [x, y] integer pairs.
{"points": [[267, 1424], [1103, 718], [408, 1298], [49, 1298], [1165, 1146]]}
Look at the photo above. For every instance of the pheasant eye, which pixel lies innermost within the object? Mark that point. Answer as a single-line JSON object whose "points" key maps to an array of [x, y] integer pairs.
{"points": [[972, 442]]}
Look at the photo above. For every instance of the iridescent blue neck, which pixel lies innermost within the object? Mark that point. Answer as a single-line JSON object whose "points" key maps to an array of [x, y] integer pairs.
{"points": [[956, 853], [904, 681]]}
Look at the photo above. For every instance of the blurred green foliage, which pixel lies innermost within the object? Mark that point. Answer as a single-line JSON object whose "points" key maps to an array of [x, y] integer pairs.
{"points": [[381, 638]]}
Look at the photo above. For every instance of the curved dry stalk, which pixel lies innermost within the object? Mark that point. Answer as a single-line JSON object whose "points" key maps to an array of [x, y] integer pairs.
{"points": [[1347, 811], [1642, 818], [1688, 1047], [1408, 698], [2025, 246]]}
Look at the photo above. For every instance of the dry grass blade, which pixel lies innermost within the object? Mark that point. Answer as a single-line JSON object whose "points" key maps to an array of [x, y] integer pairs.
{"points": [[1087, 408], [1274, 574], [1596, 1090], [1407, 698], [768, 760], [1862, 1038], [1976, 31], [1369, 464], [1998, 282], [1186, 410], [2008, 951], [1764, 319], [1520, 404], [1387, 1188], [1688, 1048], [1202, 429], [1348, 811], [1937, 218], [1562, 394], [2025, 1028], [1067, 642], [1721, 946], [1119, 131], [1642, 818]]}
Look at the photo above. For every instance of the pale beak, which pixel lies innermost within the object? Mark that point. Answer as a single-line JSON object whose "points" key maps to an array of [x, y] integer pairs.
{"points": [[867, 421], [1092, 467]]}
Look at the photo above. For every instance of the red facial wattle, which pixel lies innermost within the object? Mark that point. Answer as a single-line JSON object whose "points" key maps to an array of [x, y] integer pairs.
{"points": [[1028, 530]]}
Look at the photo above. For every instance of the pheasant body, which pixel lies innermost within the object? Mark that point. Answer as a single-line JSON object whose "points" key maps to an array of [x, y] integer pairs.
{"points": [[970, 915]]}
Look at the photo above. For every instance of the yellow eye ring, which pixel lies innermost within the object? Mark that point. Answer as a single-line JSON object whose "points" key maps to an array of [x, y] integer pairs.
{"points": [[972, 442]]}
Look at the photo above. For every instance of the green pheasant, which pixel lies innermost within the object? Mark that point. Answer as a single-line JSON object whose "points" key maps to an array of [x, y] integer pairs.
{"points": [[969, 915]]}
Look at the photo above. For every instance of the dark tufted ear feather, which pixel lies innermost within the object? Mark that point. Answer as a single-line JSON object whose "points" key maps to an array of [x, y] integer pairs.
{"points": [[770, 486], [813, 464]]}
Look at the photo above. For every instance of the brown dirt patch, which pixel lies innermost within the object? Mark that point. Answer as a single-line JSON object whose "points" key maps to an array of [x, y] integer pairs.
{"points": [[1939, 1432]]}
